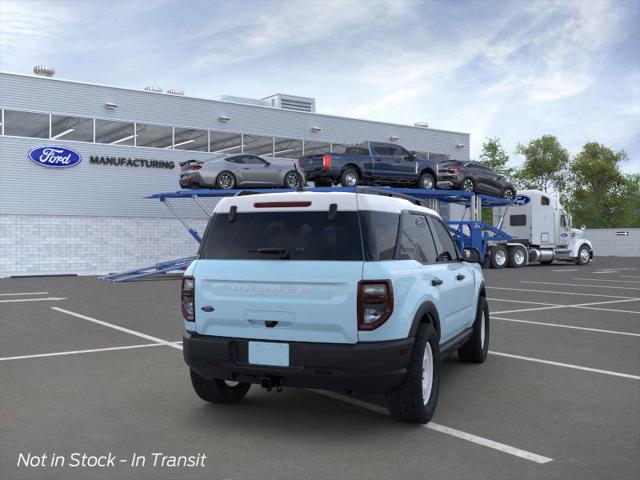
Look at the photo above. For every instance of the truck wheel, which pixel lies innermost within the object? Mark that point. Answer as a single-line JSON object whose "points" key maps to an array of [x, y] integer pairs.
{"points": [[426, 181], [218, 391], [414, 401], [498, 256], [475, 349], [349, 178], [583, 255], [517, 257]]}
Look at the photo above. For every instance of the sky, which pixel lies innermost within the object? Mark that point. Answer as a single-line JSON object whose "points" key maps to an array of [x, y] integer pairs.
{"points": [[509, 69]]}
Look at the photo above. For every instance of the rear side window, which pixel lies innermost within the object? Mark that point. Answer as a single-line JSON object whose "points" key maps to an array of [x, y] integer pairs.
{"points": [[415, 241], [447, 250], [518, 220], [302, 235], [380, 232], [356, 151]]}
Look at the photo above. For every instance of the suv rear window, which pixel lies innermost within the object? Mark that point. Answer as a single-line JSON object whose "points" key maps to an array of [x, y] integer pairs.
{"points": [[303, 235]]}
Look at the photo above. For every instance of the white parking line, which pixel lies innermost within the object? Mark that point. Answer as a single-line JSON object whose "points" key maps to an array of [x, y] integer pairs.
{"points": [[119, 328], [607, 280], [598, 330], [611, 310], [530, 309], [492, 299], [76, 352], [47, 299], [567, 270], [629, 276], [566, 365], [559, 293], [580, 285], [23, 293], [577, 305], [485, 442]]}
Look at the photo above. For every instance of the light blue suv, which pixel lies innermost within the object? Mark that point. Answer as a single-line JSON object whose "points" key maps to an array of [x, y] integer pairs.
{"points": [[353, 291]]}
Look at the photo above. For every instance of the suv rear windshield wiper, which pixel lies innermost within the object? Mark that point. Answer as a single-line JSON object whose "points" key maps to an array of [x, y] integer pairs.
{"points": [[283, 252]]}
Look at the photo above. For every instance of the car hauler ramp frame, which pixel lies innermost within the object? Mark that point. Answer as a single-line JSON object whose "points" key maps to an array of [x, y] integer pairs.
{"points": [[472, 233]]}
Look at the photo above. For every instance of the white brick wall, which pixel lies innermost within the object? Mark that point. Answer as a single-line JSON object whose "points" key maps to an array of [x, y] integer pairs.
{"points": [[43, 245], [606, 242]]}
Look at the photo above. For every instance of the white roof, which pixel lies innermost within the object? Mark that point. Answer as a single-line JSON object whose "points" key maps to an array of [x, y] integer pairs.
{"points": [[319, 201]]}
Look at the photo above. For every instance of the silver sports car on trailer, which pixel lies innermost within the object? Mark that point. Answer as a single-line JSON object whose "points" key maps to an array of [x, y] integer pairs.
{"points": [[244, 170]]}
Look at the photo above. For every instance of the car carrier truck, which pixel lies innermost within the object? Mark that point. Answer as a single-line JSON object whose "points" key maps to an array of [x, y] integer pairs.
{"points": [[540, 230]]}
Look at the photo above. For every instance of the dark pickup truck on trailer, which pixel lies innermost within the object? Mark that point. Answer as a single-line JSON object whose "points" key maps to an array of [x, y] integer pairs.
{"points": [[370, 163]]}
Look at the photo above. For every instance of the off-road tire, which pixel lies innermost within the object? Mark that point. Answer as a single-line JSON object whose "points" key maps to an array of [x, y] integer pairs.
{"points": [[405, 402], [475, 349], [427, 177], [496, 252], [345, 177], [220, 178], [217, 391]]}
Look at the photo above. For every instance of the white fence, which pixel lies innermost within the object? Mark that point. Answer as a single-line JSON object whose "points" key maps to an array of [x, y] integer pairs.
{"points": [[616, 242]]}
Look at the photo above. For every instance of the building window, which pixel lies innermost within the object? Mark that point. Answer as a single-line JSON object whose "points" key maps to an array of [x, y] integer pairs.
{"points": [[26, 124], [258, 145], [544, 201], [71, 128], [287, 148], [316, 148], [225, 143], [157, 136], [191, 139], [114, 133]]}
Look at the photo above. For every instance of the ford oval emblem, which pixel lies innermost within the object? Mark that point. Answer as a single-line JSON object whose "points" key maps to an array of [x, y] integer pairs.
{"points": [[521, 200], [55, 157]]}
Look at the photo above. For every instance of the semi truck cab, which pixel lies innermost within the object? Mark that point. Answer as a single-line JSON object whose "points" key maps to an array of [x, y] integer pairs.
{"points": [[538, 223]]}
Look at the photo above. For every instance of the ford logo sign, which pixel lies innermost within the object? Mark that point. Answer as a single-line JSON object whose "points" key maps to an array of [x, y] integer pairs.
{"points": [[521, 200], [55, 157]]}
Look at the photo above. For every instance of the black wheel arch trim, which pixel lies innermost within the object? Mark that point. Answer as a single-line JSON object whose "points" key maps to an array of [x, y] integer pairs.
{"points": [[356, 167], [426, 311]]}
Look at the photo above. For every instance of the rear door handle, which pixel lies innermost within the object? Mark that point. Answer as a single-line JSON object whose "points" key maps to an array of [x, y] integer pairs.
{"points": [[436, 281], [460, 277]]}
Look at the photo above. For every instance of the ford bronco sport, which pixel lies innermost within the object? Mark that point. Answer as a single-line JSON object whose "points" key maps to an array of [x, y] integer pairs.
{"points": [[348, 291]]}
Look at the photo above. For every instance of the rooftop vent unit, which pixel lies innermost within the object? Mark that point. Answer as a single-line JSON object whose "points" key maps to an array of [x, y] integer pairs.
{"points": [[291, 102], [421, 124], [175, 91], [245, 100], [153, 88], [44, 71]]}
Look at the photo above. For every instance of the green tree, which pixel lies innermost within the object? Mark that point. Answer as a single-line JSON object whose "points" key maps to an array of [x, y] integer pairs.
{"points": [[495, 157], [545, 164], [599, 194], [630, 216]]}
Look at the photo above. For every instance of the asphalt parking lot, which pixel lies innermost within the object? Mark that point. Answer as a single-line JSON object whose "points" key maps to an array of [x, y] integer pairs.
{"points": [[94, 367]]}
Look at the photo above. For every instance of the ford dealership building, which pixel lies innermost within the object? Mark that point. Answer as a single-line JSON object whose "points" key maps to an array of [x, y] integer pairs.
{"points": [[77, 160]]}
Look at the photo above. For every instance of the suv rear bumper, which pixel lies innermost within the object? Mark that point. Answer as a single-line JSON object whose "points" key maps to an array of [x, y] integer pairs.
{"points": [[362, 367]]}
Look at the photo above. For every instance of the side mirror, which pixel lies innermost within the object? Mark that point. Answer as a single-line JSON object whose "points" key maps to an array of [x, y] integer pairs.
{"points": [[471, 255]]}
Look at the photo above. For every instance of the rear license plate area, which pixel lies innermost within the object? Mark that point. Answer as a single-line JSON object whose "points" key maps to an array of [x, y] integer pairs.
{"points": [[269, 353]]}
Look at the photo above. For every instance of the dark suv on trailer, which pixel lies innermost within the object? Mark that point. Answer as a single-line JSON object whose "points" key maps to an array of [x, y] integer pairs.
{"points": [[474, 177]]}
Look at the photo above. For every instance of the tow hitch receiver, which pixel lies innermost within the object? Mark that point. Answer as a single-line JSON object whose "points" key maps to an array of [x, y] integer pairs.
{"points": [[270, 383]]}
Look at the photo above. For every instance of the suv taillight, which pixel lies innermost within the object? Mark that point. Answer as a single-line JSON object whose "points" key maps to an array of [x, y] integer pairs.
{"points": [[375, 303], [454, 170], [326, 161], [187, 299]]}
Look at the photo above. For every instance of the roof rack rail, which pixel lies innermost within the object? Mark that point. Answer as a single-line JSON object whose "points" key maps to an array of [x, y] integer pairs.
{"points": [[388, 193]]}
